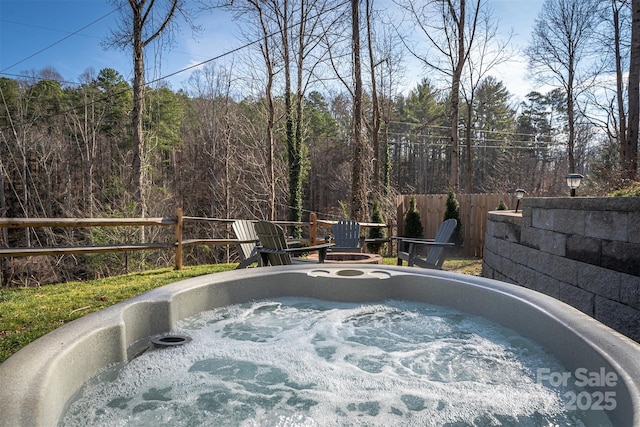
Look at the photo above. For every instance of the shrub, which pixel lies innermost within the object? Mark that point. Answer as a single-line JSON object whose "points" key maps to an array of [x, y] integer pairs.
{"points": [[453, 212], [412, 221], [376, 232], [632, 190], [502, 206]]}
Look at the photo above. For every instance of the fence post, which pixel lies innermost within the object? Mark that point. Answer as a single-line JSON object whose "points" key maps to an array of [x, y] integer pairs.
{"points": [[178, 233], [313, 228]]}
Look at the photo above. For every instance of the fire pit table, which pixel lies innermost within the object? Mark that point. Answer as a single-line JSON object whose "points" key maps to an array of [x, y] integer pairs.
{"points": [[350, 258]]}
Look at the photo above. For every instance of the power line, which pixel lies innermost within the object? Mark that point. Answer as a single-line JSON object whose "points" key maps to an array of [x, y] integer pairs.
{"points": [[251, 43], [23, 76], [106, 97], [45, 28], [448, 128], [59, 41]]}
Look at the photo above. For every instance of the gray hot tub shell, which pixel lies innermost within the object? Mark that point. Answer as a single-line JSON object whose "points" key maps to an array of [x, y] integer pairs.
{"points": [[37, 382]]}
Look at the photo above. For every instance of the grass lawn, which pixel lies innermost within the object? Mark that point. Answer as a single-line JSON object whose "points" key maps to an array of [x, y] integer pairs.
{"points": [[28, 313]]}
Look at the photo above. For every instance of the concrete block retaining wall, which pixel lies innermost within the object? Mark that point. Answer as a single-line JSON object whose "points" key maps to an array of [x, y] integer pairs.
{"points": [[583, 251]]}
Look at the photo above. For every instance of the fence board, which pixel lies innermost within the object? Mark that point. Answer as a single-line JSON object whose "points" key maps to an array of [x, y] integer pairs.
{"points": [[82, 222], [59, 250], [473, 215]]}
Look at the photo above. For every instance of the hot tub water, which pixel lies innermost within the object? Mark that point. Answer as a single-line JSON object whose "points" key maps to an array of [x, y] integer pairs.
{"points": [[306, 362]]}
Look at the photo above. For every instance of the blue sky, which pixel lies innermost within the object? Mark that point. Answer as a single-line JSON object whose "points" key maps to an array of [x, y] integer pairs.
{"points": [[32, 33]]}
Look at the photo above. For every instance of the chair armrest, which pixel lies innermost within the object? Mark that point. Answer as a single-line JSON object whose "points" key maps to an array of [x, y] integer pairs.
{"points": [[303, 249], [409, 254], [322, 250], [404, 239], [428, 242], [300, 249], [320, 246], [378, 239]]}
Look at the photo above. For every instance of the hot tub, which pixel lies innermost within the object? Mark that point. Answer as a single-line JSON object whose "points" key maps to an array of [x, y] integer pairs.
{"points": [[38, 381]]}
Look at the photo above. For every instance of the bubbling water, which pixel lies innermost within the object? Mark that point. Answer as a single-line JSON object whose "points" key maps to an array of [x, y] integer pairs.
{"points": [[305, 362]]}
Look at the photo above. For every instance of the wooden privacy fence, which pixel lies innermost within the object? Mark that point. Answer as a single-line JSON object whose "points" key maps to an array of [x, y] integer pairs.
{"points": [[177, 222], [473, 215]]}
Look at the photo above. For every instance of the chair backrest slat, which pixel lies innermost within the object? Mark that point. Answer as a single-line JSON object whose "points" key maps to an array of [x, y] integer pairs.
{"points": [[444, 233], [245, 230], [272, 237], [346, 234]]}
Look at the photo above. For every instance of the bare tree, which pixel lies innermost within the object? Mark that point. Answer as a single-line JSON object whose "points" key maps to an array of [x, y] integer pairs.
{"points": [[607, 106], [267, 55], [85, 124], [301, 61], [621, 134], [358, 178], [345, 60], [486, 54], [141, 24], [449, 27], [561, 51], [630, 159], [288, 38], [374, 124], [215, 154]]}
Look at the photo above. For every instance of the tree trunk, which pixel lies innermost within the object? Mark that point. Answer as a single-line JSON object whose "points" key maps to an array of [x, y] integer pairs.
{"points": [[358, 179], [375, 113], [468, 145], [571, 119], [622, 117], [140, 18], [454, 177], [138, 107], [299, 104], [630, 166], [293, 155], [270, 142]]}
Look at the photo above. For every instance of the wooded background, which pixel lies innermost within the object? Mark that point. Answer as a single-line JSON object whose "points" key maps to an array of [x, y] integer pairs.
{"points": [[274, 133]]}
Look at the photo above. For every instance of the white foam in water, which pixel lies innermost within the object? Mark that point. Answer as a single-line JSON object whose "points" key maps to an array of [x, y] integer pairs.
{"points": [[305, 362]]}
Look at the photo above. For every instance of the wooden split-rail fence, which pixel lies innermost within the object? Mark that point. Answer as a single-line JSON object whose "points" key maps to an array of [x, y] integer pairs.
{"points": [[177, 222], [473, 215]]}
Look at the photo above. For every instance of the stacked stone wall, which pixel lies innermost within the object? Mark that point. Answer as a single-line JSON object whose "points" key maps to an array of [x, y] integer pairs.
{"points": [[583, 251]]}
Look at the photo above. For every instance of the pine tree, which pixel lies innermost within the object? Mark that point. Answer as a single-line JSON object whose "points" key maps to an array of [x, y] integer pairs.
{"points": [[376, 232], [453, 212], [412, 221]]}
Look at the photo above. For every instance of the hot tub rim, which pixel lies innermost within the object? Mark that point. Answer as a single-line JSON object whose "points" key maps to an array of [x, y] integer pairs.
{"points": [[23, 397]]}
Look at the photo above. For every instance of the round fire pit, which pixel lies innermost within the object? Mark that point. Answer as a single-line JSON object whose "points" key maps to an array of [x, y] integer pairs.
{"points": [[352, 258]]}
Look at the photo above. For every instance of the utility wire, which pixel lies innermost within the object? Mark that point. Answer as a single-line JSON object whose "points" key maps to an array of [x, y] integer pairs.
{"points": [[245, 46], [59, 41], [45, 28], [22, 76], [229, 52]]}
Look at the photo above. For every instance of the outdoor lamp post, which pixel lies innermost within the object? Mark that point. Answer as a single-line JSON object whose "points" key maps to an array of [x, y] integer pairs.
{"points": [[519, 195], [573, 181]]}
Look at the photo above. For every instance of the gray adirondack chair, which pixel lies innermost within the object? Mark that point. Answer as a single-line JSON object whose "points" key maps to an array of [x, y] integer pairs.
{"points": [[436, 254], [273, 247], [248, 252], [346, 236]]}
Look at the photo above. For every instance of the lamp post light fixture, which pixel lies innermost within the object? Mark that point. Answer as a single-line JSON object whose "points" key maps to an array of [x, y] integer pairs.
{"points": [[573, 181], [519, 195]]}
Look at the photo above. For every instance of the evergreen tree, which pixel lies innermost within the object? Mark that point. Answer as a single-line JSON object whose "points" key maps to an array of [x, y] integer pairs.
{"points": [[376, 232], [453, 212], [412, 221]]}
